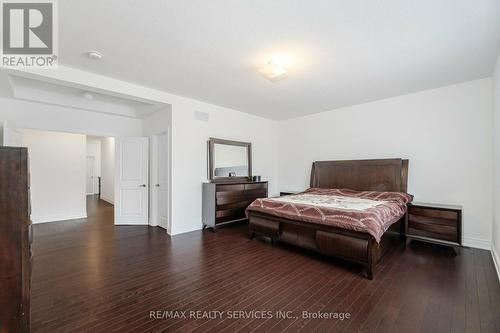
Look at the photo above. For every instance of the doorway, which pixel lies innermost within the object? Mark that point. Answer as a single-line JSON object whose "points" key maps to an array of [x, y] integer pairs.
{"points": [[90, 175]]}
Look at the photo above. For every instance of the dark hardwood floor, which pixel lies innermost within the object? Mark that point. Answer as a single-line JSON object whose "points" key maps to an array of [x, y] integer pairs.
{"points": [[90, 276]]}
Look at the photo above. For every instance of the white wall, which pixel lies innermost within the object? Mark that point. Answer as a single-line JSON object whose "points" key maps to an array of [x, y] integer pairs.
{"points": [[57, 172], [94, 150], [188, 137], [38, 116], [22, 114], [446, 134], [108, 169], [496, 157], [11, 136], [157, 122], [189, 154]]}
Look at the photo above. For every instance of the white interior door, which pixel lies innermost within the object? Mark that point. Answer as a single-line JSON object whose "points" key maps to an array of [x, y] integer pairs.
{"points": [[161, 185], [90, 175], [131, 180]]}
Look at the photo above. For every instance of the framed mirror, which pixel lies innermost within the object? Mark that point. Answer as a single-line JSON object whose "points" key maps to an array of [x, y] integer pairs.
{"points": [[229, 160]]}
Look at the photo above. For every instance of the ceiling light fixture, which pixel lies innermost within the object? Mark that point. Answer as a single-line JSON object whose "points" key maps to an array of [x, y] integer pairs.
{"points": [[94, 55], [277, 67]]}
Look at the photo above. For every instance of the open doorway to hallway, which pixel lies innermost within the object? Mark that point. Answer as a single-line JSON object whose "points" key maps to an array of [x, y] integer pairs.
{"points": [[64, 169], [67, 170], [100, 168]]}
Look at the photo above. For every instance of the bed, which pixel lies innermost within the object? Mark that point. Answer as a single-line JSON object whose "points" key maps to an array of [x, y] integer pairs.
{"points": [[372, 196]]}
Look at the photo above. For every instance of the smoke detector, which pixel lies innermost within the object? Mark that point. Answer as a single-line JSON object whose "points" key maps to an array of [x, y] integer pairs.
{"points": [[87, 95]]}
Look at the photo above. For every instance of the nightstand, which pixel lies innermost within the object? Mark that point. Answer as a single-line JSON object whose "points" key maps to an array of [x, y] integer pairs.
{"points": [[440, 224]]}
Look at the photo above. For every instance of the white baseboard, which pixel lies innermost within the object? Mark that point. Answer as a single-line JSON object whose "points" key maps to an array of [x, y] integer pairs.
{"points": [[476, 243], [191, 229], [496, 259], [107, 200], [57, 218]]}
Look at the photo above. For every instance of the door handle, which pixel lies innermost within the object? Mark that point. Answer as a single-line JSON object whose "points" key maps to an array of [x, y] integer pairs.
{"points": [[142, 185], [157, 185]]}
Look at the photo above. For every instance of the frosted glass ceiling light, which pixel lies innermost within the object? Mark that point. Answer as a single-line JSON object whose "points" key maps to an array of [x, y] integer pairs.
{"points": [[277, 67]]}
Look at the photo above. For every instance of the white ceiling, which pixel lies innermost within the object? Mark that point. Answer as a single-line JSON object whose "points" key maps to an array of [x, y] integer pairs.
{"points": [[349, 52], [55, 94]]}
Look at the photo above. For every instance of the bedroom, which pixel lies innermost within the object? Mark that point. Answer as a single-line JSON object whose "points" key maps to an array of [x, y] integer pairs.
{"points": [[301, 83]]}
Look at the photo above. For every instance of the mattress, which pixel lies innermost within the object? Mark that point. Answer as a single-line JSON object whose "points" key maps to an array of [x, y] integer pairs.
{"points": [[364, 211]]}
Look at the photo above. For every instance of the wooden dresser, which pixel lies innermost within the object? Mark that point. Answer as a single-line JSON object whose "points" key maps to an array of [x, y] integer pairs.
{"points": [[15, 241], [226, 202], [441, 224]]}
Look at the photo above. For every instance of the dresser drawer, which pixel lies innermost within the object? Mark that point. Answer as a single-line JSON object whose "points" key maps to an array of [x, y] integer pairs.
{"points": [[256, 193], [434, 223], [442, 214], [229, 215], [229, 187], [412, 218], [232, 205], [227, 202], [224, 200], [255, 186], [229, 194], [442, 229]]}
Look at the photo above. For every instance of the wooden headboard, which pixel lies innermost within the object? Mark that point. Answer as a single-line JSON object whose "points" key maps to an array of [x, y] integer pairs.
{"points": [[389, 175]]}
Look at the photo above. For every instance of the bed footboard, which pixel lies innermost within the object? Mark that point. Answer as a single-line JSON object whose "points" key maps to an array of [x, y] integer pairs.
{"points": [[353, 246]]}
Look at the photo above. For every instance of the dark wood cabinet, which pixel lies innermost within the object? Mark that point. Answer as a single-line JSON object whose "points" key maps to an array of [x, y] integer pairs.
{"points": [[434, 223], [227, 202], [15, 241]]}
